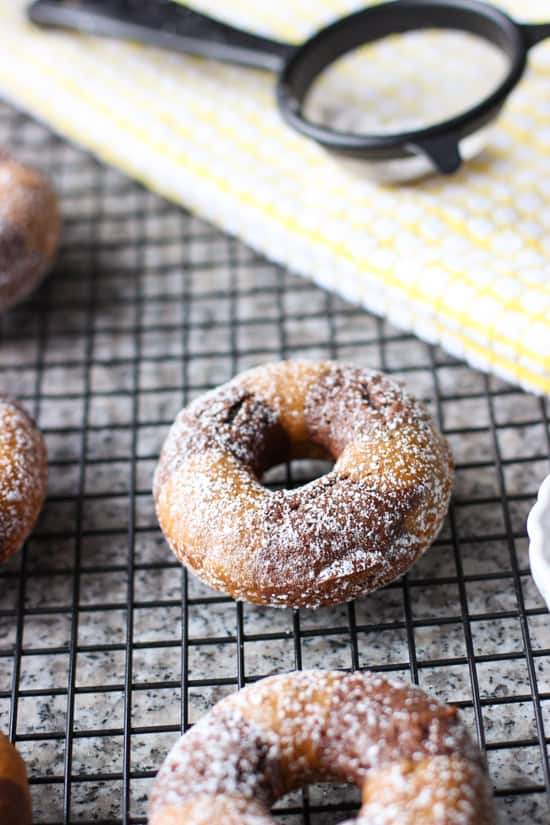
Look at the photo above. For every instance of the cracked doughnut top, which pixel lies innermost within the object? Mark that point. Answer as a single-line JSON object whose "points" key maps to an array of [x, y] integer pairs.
{"points": [[29, 230], [23, 475], [342, 535], [410, 755]]}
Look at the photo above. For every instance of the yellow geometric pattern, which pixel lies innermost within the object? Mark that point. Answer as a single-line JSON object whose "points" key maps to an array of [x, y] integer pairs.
{"points": [[462, 261]]}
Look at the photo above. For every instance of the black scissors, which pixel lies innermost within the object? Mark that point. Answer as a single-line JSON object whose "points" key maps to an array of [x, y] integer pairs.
{"points": [[170, 25]]}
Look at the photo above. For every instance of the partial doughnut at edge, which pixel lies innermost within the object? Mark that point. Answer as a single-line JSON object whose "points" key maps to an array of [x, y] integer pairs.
{"points": [[23, 475], [15, 800], [29, 229], [410, 755]]}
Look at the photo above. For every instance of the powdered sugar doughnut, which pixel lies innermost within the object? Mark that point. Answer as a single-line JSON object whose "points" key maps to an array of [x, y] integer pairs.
{"points": [[409, 754], [342, 535], [29, 230], [23, 476], [15, 799]]}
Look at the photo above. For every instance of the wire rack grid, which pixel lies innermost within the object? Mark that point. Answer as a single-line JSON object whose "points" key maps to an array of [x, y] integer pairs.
{"points": [[108, 649]]}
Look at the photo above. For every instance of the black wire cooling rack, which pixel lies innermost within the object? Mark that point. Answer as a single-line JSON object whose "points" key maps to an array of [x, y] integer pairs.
{"points": [[107, 648]]}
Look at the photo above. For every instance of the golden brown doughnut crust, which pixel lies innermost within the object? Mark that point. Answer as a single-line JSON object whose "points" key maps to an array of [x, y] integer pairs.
{"points": [[15, 800], [23, 476], [409, 754], [29, 230], [338, 537]]}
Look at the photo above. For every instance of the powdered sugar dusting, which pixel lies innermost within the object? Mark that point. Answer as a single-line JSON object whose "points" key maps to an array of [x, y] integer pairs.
{"points": [[208, 810], [23, 475], [441, 790], [343, 534], [223, 754], [410, 754]]}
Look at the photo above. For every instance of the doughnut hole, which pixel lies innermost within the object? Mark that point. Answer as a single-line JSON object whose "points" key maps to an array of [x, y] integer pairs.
{"points": [[294, 474]]}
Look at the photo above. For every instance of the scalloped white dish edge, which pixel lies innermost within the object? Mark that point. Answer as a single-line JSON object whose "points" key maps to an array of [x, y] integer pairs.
{"points": [[538, 529]]}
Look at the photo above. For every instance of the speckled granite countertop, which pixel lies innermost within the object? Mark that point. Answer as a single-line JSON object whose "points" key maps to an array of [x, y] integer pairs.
{"points": [[106, 647]]}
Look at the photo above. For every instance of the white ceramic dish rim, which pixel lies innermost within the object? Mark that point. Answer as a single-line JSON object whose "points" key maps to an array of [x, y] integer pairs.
{"points": [[538, 528]]}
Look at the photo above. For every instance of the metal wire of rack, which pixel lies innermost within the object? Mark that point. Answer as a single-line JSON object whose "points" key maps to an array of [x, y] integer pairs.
{"points": [[107, 648]]}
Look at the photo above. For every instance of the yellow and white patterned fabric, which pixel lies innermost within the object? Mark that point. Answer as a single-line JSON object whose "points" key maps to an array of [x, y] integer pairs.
{"points": [[462, 261]]}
